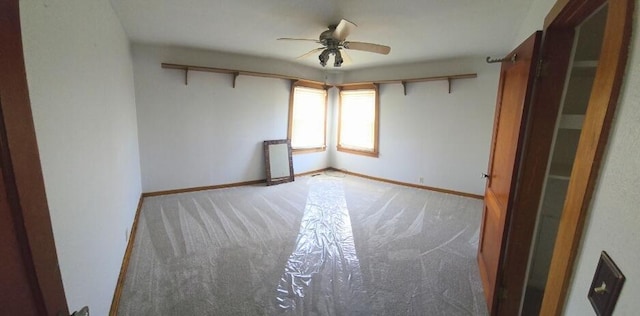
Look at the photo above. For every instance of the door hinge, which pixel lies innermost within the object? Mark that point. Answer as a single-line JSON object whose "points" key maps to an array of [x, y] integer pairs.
{"points": [[502, 293], [539, 68]]}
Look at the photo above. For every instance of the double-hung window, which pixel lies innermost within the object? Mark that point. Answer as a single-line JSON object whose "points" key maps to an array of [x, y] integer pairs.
{"points": [[307, 117], [358, 120]]}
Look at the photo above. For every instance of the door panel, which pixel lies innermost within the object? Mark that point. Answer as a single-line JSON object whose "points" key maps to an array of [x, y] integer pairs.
{"points": [[491, 235], [508, 131], [514, 93]]}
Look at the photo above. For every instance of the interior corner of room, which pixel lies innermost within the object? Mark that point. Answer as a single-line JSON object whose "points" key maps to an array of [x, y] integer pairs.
{"points": [[101, 110]]}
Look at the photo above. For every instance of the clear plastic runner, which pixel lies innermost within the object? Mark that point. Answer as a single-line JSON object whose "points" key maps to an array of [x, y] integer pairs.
{"points": [[323, 273]]}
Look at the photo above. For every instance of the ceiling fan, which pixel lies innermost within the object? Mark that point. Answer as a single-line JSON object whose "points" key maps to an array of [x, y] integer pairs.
{"points": [[334, 39]]}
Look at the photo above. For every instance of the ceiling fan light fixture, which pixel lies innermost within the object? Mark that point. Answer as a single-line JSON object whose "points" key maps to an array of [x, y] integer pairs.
{"points": [[337, 59], [324, 57]]}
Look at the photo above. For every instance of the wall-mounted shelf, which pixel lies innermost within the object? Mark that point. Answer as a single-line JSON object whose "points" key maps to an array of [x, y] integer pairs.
{"points": [[560, 171], [571, 121], [559, 177], [585, 64], [235, 73], [404, 82]]}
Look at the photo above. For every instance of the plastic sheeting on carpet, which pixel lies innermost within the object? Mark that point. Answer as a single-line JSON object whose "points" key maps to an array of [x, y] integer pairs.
{"points": [[323, 273], [324, 245]]}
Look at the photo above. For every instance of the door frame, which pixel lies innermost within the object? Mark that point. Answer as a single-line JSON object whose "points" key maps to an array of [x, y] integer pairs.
{"points": [[23, 173], [562, 19]]}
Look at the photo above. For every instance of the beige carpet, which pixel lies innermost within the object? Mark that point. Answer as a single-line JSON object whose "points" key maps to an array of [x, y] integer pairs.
{"points": [[323, 245]]}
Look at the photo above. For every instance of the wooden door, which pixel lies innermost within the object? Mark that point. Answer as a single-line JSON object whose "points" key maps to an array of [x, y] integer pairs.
{"points": [[514, 94], [30, 280]]}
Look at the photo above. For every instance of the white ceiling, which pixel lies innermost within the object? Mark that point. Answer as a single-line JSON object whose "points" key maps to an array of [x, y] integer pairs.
{"points": [[416, 30]]}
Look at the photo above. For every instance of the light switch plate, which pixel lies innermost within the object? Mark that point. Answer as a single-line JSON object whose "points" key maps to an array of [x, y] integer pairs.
{"points": [[606, 285]]}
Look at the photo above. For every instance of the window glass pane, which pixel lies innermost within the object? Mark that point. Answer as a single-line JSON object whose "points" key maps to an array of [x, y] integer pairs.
{"points": [[357, 119], [308, 118]]}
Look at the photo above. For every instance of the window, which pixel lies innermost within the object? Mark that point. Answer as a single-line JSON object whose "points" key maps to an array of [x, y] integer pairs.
{"points": [[358, 120], [307, 117]]}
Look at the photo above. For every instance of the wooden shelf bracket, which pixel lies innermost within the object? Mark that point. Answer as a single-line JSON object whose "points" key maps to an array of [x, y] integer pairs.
{"points": [[235, 77]]}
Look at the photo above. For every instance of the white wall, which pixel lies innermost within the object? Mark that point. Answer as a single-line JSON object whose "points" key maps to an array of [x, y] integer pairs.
{"points": [[534, 21], [613, 217], [431, 134], [208, 132], [80, 78]]}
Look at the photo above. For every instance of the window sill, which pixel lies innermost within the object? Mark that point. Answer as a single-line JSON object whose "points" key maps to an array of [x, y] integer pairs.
{"points": [[307, 150], [358, 152]]}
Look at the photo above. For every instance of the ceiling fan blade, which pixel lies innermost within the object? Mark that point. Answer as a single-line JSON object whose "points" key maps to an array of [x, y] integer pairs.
{"points": [[343, 29], [298, 39], [368, 47], [309, 53]]}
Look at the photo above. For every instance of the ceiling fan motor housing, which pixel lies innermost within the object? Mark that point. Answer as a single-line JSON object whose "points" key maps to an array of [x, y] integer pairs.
{"points": [[326, 37]]}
